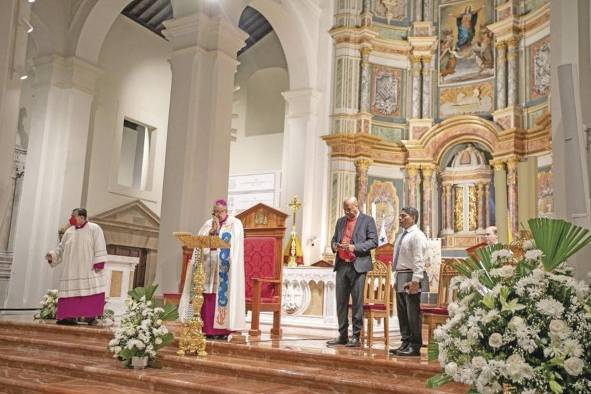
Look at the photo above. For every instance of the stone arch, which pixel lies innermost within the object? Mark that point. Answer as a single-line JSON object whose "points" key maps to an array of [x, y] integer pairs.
{"points": [[294, 38], [457, 130]]}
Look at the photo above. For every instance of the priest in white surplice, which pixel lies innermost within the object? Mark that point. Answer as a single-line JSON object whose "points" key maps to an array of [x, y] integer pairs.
{"points": [[224, 299], [83, 252]]}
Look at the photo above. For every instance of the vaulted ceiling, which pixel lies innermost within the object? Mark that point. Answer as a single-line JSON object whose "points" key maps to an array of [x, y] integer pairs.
{"points": [[151, 14]]}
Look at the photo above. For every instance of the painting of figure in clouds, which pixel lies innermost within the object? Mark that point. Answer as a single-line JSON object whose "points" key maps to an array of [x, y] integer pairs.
{"points": [[466, 46]]}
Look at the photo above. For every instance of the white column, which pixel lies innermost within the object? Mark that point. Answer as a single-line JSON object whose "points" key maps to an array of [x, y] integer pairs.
{"points": [[52, 187], [13, 46], [196, 171], [304, 167]]}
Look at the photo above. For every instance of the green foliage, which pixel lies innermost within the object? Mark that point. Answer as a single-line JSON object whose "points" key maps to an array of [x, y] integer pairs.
{"points": [[557, 239], [438, 380], [432, 351], [170, 313]]}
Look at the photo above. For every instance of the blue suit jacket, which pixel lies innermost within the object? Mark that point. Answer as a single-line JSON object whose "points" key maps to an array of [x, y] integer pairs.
{"points": [[365, 238]]}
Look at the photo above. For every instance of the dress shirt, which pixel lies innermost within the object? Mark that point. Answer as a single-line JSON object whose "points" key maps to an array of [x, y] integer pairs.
{"points": [[412, 253]]}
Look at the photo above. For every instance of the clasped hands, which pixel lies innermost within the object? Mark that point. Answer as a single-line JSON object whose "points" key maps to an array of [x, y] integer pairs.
{"points": [[412, 287], [346, 246]]}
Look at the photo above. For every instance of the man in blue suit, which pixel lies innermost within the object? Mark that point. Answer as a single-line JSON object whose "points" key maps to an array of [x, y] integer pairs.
{"points": [[355, 235]]}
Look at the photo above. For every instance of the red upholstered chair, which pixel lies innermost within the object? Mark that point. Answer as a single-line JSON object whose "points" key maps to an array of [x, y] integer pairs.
{"points": [[377, 300], [264, 229], [385, 253], [437, 314]]}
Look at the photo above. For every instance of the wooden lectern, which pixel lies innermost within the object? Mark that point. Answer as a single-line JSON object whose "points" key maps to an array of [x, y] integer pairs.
{"points": [[192, 340]]}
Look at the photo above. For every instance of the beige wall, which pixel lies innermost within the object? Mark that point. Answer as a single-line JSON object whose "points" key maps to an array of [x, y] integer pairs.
{"points": [[135, 84], [259, 108]]}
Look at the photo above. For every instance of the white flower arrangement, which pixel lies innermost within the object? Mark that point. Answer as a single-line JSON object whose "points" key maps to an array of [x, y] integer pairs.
{"points": [[141, 332], [530, 330], [48, 305]]}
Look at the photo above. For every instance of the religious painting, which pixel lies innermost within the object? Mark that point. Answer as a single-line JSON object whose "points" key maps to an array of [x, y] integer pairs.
{"points": [[383, 204], [474, 99], [545, 192], [390, 9], [466, 46], [385, 91], [539, 69]]}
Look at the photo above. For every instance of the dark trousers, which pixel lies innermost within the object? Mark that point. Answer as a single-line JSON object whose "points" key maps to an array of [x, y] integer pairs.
{"points": [[349, 283], [409, 318]]}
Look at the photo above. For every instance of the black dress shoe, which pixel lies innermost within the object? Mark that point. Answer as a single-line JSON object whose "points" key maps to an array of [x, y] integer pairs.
{"points": [[67, 322], [402, 347], [410, 351], [220, 337], [337, 341], [353, 342]]}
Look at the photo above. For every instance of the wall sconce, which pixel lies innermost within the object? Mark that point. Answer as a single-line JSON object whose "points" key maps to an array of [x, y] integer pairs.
{"points": [[20, 73], [28, 24]]}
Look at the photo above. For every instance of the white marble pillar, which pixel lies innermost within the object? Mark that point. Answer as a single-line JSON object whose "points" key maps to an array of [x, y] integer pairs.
{"points": [[304, 163], [418, 10], [364, 87], [13, 46], [427, 100], [416, 86], [501, 75], [52, 186], [513, 71], [427, 10], [203, 65]]}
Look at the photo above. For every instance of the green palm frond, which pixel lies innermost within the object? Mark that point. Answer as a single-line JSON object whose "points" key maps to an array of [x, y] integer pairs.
{"points": [[557, 239]]}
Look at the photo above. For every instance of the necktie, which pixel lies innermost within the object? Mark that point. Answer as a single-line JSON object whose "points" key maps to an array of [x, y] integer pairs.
{"points": [[398, 249]]}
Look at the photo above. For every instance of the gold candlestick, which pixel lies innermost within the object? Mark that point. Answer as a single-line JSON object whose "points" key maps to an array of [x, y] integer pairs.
{"points": [[293, 249], [192, 340]]}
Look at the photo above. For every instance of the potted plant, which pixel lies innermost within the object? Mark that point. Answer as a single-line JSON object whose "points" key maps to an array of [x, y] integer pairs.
{"points": [[141, 332], [522, 322]]}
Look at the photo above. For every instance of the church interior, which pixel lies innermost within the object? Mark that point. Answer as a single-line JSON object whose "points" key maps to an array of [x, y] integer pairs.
{"points": [[145, 112]]}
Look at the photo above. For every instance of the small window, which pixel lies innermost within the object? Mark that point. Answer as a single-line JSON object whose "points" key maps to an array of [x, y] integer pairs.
{"points": [[134, 162]]}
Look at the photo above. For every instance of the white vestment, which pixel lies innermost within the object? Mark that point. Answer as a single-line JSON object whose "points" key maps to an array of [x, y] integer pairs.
{"points": [[79, 250], [224, 276]]}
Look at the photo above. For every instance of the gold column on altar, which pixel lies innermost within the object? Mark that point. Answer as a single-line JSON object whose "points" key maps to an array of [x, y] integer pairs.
{"points": [[361, 167], [192, 340], [427, 199], [481, 207], [458, 208], [512, 195], [500, 179], [411, 182]]}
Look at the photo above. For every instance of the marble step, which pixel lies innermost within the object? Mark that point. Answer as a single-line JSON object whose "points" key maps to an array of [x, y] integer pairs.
{"points": [[16, 380], [378, 361], [311, 375], [29, 369]]}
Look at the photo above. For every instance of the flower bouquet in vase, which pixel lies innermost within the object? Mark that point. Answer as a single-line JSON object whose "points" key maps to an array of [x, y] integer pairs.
{"points": [[521, 322], [141, 332], [48, 306]]}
